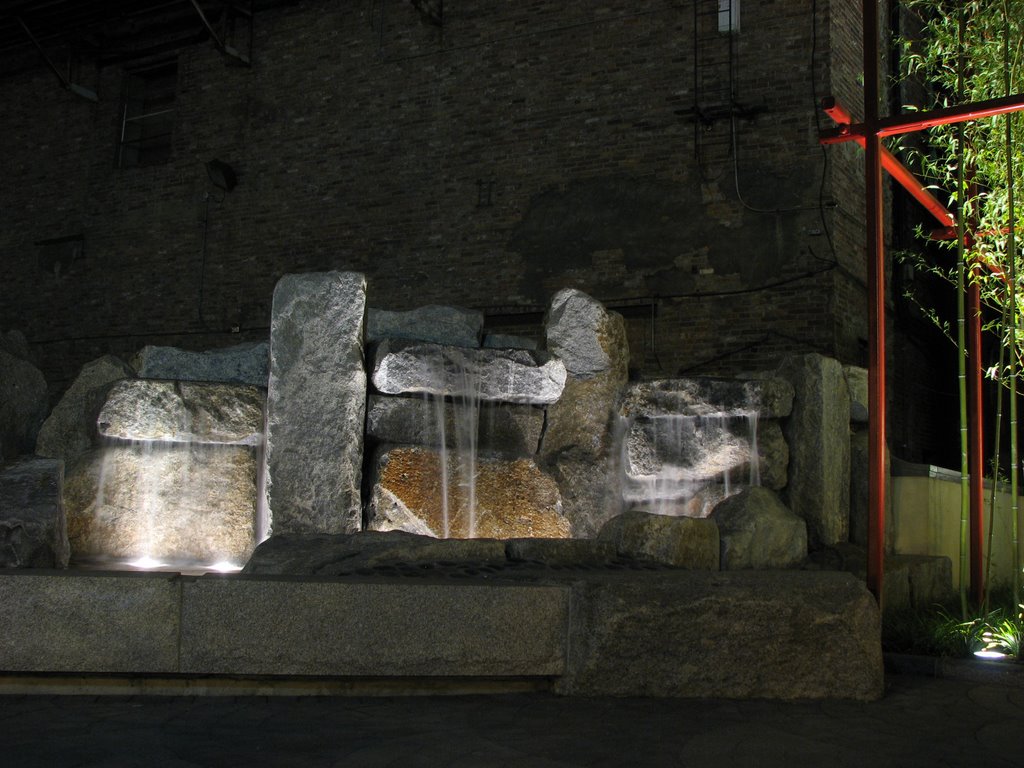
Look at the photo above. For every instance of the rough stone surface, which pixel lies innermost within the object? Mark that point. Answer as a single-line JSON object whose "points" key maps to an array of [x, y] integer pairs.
{"points": [[573, 329], [23, 405], [770, 397], [193, 504], [579, 446], [818, 434], [351, 628], [773, 452], [857, 384], [700, 504], [758, 531], [316, 403], [33, 530], [565, 552], [742, 634], [239, 364], [453, 326], [683, 542], [89, 622], [513, 499], [910, 581], [502, 428], [508, 341], [183, 412], [70, 429], [343, 554], [14, 342], [506, 375], [860, 489]]}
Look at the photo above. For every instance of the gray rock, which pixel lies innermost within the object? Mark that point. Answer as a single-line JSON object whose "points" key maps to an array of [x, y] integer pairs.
{"points": [[23, 405], [486, 497], [179, 504], [741, 634], [684, 542], [344, 554], [573, 329], [316, 403], [33, 531], [70, 429], [501, 428], [239, 364], [857, 385], [860, 511], [183, 412], [15, 343], [563, 552], [506, 375], [818, 434], [758, 531], [700, 504], [507, 341], [773, 452], [579, 446], [769, 397], [451, 326]]}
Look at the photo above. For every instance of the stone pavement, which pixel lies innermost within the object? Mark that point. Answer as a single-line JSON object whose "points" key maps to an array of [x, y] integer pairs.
{"points": [[922, 721]]}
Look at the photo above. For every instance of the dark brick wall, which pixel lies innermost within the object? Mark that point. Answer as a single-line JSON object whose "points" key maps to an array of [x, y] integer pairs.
{"points": [[523, 148]]}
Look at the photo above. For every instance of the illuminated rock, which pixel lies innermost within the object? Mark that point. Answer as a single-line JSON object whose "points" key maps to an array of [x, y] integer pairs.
{"points": [[505, 375], [70, 429], [183, 412], [513, 499], [316, 403], [33, 533], [684, 542], [769, 397], [181, 504], [437, 324]]}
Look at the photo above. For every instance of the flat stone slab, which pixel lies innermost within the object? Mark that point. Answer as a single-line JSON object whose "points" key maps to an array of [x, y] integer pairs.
{"points": [[246, 363], [183, 412], [505, 375]]}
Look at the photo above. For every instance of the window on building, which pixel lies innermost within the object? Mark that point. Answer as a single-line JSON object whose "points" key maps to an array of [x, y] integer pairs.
{"points": [[148, 115], [728, 15]]}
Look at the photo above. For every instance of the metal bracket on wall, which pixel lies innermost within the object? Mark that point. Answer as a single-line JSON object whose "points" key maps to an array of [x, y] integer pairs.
{"points": [[65, 80], [232, 13]]}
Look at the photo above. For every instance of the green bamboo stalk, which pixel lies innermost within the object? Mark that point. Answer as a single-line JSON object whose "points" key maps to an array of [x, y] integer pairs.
{"points": [[961, 335], [997, 439]]}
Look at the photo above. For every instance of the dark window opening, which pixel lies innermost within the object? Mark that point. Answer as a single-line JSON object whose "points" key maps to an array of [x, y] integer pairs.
{"points": [[148, 115]]}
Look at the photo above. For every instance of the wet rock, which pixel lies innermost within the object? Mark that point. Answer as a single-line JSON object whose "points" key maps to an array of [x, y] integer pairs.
{"points": [[683, 542], [70, 429], [818, 434], [316, 403], [193, 504], [758, 531], [506, 375], [342, 554], [246, 363], [452, 326], [23, 405], [33, 531], [769, 397], [502, 428], [511, 498], [183, 412]]}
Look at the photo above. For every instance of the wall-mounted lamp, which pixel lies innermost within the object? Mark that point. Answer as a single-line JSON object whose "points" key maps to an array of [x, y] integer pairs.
{"points": [[221, 175]]}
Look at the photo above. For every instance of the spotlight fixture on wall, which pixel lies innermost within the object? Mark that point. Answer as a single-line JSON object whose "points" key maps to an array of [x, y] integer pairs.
{"points": [[221, 175]]}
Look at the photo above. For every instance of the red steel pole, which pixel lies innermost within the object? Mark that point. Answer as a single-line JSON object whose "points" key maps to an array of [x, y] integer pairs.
{"points": [[876, 306]]}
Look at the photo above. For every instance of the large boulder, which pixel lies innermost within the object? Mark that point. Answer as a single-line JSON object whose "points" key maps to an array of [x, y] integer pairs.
{"points": [[504, 375], [579, 446], [192, 505], [183, 412], [239, 364], [421, 491], [758, 531], [23, 404], [70, 429], [316, 403], [818, 433], [683, 542], [504, 428], [452, 326], [33, 532]]}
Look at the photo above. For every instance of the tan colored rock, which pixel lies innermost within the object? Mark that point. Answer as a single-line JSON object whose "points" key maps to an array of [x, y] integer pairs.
{"points": [[513, 499]]}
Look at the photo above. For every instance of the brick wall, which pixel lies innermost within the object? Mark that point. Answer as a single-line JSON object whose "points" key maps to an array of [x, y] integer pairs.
{"points": [[521, 149]]}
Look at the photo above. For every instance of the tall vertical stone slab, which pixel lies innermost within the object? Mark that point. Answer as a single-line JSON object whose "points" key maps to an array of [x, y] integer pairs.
{"points": [[818, 433], [316, 403], [578, 443]]}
